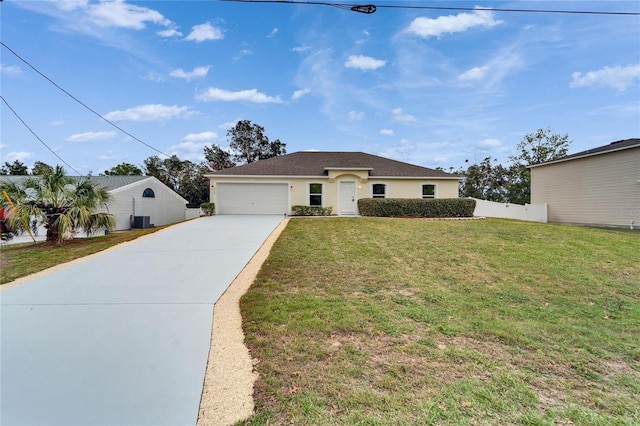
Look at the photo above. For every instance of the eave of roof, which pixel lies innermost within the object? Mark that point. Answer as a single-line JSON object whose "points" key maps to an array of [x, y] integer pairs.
{"points": [[266, 177], [318, 163], [605, 149]]}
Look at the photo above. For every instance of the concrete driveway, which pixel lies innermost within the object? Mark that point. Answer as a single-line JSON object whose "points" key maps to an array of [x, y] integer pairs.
{"points": [[122, 338]]}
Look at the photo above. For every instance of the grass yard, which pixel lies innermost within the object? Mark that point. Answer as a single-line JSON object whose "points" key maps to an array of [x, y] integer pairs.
{"points": [[371, 321], [20, 260]]}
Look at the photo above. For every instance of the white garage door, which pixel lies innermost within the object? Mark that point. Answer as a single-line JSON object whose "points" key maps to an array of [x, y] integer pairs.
{"points": [[252, 198]]}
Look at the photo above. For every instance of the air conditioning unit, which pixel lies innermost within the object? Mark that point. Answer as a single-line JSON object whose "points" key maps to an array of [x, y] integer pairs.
{"points": [[141, 222]]}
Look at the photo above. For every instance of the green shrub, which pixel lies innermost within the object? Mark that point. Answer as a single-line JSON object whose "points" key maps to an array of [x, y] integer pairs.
{"points": [[209, 209], [311, 210], [417, 207]]}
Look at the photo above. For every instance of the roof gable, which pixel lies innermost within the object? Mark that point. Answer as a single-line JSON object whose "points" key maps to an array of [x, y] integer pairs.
{"points": [[604, 149], [317, 163], [113, 184]]}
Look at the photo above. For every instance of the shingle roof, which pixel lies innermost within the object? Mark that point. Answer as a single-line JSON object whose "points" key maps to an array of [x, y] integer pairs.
{"points": [[109, 182], [311, 163], [612, 147]]}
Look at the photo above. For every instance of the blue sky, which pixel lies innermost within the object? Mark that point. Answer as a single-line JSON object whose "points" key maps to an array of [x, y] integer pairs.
{"points": [[433, 88]]}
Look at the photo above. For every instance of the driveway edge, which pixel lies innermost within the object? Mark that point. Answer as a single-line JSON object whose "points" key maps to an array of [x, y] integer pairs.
{"points": [[227, 394]]}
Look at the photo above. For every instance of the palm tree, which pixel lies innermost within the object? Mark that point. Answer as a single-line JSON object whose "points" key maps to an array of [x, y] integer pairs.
{"points": [[62, 203]]}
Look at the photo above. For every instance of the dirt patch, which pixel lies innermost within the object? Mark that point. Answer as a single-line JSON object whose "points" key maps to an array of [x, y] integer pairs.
{"points": [[227, 395]]}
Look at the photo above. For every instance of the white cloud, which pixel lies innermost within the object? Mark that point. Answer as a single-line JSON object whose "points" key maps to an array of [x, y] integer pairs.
{"points": [[21, 156], [205, 32], [251, 95], [618, 78], [199, 137], [399, 115], [151, 112], [301, 49], [365, 39], [189, 150], [356, 115], [11, 70], [69, 5], [503, 63], [198, 72], [57, 123], [171, 32], [490, 143], [228, 125], [299, 94], [387, 132], [273, 33], [427, 27], [91, 136], [364, 62], [152, 76], [476, 73], [242, 54], [124, 15], [110, 155]]}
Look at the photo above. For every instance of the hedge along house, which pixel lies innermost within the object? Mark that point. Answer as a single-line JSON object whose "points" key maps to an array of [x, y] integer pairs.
{"points": [[600, 186], [325, 179], [138, 201]]}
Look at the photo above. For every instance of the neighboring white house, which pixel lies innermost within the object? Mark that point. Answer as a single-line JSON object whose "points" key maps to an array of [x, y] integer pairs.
{"points": [[327, 179], [138, 201], [142, 197], [600, 186]]}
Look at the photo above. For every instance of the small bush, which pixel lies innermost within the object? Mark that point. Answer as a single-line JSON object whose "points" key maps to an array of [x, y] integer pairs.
{"points": [[209, 209], [417, 207], [311, 210]]}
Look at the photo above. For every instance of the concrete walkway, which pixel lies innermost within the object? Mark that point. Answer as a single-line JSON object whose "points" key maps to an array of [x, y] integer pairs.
{"points": [[122, 338]]}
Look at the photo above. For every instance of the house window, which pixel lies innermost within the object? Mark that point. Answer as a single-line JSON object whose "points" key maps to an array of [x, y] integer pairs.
{"points": [[428, 191], [379, 190], [148, 193], [315, 194]]}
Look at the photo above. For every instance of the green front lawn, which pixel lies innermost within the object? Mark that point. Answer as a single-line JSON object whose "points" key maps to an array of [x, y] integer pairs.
{"points": [[20, 260], [403, 321]]}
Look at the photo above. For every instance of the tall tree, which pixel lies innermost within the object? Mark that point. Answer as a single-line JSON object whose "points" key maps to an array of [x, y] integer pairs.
{"points": [[17, 168], [485, 181], [538, 147], [184, 177], [64, 205], [40, 168], [249, 143], [217, 158], [124, 169]]}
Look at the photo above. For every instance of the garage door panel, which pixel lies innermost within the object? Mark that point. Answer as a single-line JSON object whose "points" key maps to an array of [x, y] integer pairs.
{"points": [[252, 198]]}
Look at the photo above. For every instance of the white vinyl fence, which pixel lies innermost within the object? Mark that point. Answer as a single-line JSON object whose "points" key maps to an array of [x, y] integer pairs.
{"points": [[192, 213], [529, 212]]}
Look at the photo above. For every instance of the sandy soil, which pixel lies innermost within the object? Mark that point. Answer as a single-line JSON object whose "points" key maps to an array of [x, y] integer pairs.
{"points": [[227, 395]]}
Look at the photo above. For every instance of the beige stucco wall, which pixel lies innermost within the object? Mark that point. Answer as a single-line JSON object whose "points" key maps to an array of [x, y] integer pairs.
{"points": [[599, 190], [299, 187]]}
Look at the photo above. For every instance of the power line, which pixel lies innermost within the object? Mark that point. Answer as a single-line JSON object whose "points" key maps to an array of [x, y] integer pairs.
{"points": [[38, 137], [371, 8], [80, 102]]}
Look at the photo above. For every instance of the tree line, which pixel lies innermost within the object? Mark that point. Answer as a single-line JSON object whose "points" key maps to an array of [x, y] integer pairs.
{"points": [[511, 183], [247, 143], [486, 180]]}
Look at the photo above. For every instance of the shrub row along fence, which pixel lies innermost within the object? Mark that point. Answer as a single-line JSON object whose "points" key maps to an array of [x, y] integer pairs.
{"points": [[411, 207]]}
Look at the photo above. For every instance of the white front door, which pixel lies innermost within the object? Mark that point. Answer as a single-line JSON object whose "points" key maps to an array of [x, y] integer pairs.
{"points": [[347, 202]]}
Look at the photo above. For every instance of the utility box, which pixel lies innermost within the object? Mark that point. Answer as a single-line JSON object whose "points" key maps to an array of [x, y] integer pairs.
{"points": [[141, 222]]}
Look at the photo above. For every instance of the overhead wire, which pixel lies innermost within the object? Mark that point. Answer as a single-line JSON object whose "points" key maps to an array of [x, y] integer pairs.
{"points": [[82, 103], [371, 8], [36, 135]]}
